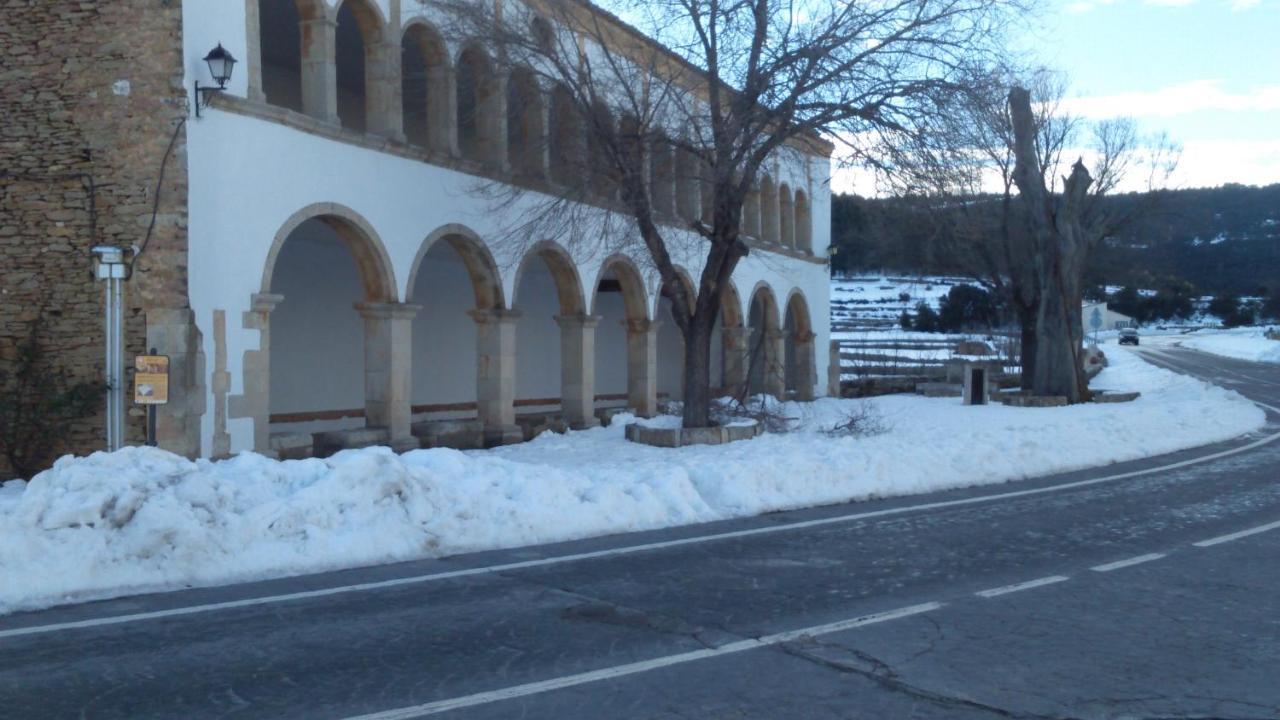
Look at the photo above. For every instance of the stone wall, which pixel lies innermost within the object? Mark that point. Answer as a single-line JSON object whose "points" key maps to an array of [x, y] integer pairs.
{"points": [[91, 95]]}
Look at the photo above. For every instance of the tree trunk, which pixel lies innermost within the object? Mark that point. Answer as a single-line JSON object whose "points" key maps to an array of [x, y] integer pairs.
{"points": [[1062, 243], [697, 370], [1027, 348]]}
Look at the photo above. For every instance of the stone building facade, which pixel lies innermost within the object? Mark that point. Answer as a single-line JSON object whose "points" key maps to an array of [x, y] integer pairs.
{"points": [[92, 100], [322, 271]]}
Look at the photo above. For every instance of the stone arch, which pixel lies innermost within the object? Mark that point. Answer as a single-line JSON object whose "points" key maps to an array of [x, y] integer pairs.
{"points": [[426, 100], [766, 349], [804, 222], [563, 270], [730, 305], [566, 139], [479, 106], [626, 344], [800, 370], [278, 68], [526, 133], [769, 227], [372, 260], [786, 217], [361, 66], [486, 281], [631, 284]]}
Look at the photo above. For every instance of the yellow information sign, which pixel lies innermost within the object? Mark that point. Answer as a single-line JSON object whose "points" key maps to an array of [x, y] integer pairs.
{"points": [[151, 379]]}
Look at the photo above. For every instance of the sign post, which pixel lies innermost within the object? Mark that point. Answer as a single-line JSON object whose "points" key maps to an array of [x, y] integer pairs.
{"points": [[151, 387], [1095, 322]]}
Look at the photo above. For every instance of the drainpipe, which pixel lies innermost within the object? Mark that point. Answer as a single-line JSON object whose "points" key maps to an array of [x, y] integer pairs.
{"points": [[111, 269]]}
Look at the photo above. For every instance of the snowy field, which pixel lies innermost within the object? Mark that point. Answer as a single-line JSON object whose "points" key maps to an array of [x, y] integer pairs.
{"points": [[879, 300], [1249, 343], [142, 519]]}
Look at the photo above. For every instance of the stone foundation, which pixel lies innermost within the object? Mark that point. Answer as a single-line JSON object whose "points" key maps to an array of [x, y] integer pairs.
{"points": [[680, 437]]}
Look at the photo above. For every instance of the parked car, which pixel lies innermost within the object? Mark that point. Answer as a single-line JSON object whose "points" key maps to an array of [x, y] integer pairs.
{"points": [[1128, 336]]}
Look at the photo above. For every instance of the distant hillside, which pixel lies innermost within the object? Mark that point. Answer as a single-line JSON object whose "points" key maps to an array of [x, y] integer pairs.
{"points": [[1221, 240]]}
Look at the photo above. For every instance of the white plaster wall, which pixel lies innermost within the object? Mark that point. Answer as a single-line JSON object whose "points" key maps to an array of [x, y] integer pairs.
{"points": [[248, 177], [537, 334]]}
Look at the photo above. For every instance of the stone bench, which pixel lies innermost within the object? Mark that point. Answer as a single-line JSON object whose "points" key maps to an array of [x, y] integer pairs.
{"points": [[606, 415], [939, 389], [534, 424], [331, 441], [457, 434], [681, 437], [292, 445]]}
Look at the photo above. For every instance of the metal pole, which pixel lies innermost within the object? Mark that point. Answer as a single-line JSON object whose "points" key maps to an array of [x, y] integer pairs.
{"points": [[111, 269]]}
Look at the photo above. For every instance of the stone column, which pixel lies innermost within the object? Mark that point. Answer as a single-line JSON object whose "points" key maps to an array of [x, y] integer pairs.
{"points": [[253, 49], [384, 109], [442, 122], [806, 367], [737, 357], [388, 361], [320, 69], [642, 366], [173, 332], [775, 358], [496, 375], [578, 369], [255, 403]]}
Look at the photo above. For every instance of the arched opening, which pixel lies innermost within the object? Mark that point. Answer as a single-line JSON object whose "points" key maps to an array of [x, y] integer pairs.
{"points": [[729, 343], [525, 143], [671, 342], [457, 285], [751, 213], [555, 341], [786, 217], [800, 371], [768, 210], [662, 178], [626, 344], [357, 38], [424, 87], [319, 270], [765, 351], [600, 163], [566, 139], [804, 222], [688, 204], [280, 43], [478, 106]]}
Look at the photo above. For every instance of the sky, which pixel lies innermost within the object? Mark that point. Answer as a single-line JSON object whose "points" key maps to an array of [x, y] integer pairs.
{"points": [[1207, 72]]}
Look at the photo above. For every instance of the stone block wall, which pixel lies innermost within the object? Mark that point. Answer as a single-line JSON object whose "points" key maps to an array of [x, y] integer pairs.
{"points": [[91, 96]]}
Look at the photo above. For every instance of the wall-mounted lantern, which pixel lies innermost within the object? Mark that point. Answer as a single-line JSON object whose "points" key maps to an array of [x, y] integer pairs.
{"points": [[220, 64]]}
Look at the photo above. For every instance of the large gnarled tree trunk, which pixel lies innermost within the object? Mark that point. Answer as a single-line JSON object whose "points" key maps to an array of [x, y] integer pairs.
{"points": [[1063, 243]]}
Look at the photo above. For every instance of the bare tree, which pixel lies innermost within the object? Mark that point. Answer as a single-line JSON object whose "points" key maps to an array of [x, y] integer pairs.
{"points": [[1064, 228], [728, 86]]}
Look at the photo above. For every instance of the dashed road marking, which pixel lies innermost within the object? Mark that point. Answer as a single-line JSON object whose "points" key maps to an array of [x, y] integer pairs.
{"points": [[1237, 535], [1019, 587], [1128, 562], [536, 688]]}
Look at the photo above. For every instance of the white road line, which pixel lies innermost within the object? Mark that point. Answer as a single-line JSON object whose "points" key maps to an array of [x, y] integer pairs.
{"points": [[629, 549], [1019, 587], [1128, 562], [618, 671], [1237, 535]]}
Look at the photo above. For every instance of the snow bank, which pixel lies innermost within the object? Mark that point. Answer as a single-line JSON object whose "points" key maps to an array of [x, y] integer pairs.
{"points": [[142, 519], [1250, 344]]}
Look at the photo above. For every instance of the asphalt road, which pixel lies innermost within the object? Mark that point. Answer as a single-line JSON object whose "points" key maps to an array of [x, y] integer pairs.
{"points": [[1142, 590]]}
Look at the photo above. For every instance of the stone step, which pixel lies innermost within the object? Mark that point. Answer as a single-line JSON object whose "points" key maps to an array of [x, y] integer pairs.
{"points": [[292, 445], [331, 441], [467, 434]]}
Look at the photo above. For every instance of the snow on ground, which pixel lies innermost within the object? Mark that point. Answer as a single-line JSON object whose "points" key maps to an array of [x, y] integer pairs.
{"points": [[1250, 343], [142, 519]]}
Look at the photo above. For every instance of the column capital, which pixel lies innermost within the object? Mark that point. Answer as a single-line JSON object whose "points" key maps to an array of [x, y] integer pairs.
{"points": [[496, 316], [737, 331], [803, 337], [567, 322], [638, 326], [264, 302], [322, 20], [386, 310], [775, 335]]}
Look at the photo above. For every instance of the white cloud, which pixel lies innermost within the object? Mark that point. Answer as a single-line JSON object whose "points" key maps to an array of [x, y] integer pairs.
{"points": [[1169, 3], [1244, 4], [1175, 100]]}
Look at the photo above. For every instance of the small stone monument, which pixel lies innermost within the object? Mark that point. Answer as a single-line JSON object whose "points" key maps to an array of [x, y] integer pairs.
{"points": [[977, 382]]}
